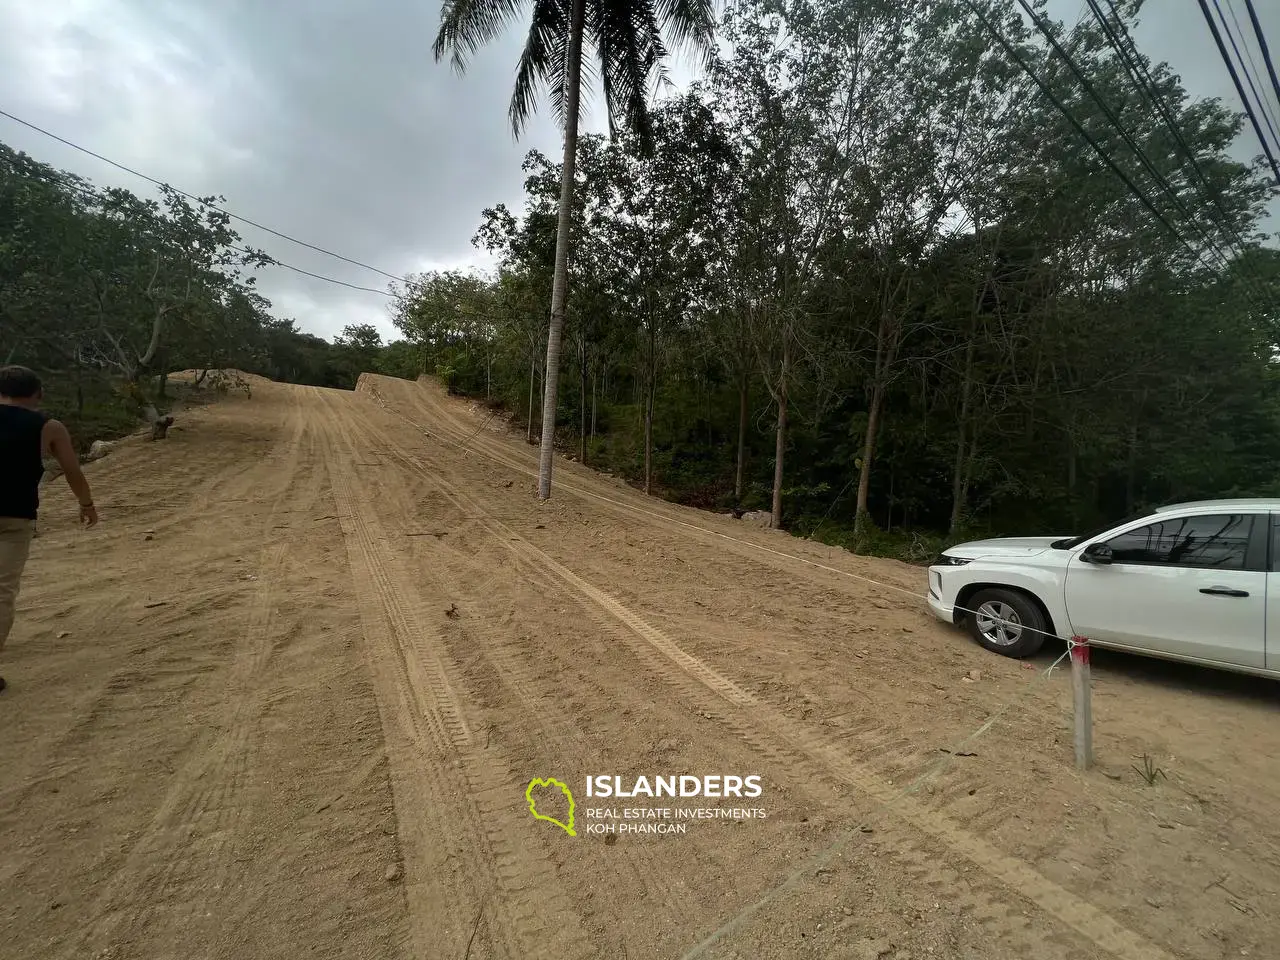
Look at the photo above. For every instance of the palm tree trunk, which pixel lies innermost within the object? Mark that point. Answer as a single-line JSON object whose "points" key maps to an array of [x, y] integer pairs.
{"points": [[560, 280]]}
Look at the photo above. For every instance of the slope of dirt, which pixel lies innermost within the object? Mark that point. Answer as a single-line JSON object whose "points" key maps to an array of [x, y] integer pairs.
{"points": [[287, 698]]}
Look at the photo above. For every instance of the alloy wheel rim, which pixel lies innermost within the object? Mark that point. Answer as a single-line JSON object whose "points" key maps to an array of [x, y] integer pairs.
{"points": [[999, 623]]}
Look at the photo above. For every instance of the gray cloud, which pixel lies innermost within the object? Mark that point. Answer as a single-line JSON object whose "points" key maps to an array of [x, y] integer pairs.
{"points": [[331, 121]]}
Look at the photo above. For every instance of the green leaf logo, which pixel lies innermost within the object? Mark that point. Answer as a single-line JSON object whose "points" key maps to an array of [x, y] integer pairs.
{"points": [[533, 804]]}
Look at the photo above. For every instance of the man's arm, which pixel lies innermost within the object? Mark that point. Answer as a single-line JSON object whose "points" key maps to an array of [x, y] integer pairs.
{"points": [[57, 443]]}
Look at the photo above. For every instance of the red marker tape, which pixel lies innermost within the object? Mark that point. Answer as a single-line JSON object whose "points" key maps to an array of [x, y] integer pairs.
{"points": [[1080, 650]]}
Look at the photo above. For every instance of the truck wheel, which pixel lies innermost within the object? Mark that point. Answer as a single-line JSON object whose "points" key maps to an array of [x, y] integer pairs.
{"points": [[1007, 622]]}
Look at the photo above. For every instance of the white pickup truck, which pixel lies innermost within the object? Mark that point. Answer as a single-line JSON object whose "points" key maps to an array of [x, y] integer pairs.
{"points": [[1186, 582]]}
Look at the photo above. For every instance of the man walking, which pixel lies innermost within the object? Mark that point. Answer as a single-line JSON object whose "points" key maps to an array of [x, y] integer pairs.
{"points": [[27, 436]]}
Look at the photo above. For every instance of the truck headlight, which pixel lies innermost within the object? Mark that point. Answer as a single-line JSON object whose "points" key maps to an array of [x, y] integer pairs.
{"points": [[946, 561]]}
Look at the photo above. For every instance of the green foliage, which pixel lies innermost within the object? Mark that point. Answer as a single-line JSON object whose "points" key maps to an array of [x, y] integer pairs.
{"points": [[1149, 772], [869, 214], [102, 293]]}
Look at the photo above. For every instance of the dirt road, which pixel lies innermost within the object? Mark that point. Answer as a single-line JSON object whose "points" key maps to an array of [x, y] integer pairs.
{"points": [[286, 699]]}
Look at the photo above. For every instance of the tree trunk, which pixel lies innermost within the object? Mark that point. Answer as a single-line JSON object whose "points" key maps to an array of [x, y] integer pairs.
{"points": [[743, 386], [1131, 471], [164, 382], [868, 454], [968, 466], [957, 480], [884, 358], [582, 402], [593, 404], [780, 440], [201, 375], [533, 372], [79, 375], [648, 412], [488, 374], [888, 518], [560, 280]]}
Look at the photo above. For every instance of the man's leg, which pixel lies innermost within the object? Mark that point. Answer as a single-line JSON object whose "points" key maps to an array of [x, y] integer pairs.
{"points": [[15, 545]]}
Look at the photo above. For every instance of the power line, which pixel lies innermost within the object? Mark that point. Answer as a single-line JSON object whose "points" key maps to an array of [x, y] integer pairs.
{"points": [[1135, 64], [1156, 175], [1262, 45], [1263, 106], [1264, 102], [272, 261], [213, 206], [1097, 148], [307, 273], [1235, 79]]}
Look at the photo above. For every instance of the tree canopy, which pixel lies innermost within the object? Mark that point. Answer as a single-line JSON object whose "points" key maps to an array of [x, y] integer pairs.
{"points": [[104, 293], [871, 275]]}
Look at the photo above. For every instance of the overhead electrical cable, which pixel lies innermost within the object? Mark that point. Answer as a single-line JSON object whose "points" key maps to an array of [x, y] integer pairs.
{"points": [[1262, 45], [1235, 79], [202, 200], [1135, 63], [1118, 124], [1061, 107], [1252, 73]]}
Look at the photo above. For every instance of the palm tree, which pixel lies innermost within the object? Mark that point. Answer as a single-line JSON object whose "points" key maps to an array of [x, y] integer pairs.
{"points": [[628, 39]]}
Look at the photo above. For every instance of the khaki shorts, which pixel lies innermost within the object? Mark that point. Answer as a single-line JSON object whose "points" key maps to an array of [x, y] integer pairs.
{"points": [[15, 545]]}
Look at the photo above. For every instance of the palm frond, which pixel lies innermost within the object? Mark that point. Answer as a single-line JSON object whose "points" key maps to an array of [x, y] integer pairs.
{"points": [[629, 46], [541, 61], [690, 24], [545, 60], [467, 25]]}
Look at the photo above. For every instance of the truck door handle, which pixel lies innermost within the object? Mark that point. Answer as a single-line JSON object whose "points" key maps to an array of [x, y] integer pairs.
{"points": [[1224, 592]]}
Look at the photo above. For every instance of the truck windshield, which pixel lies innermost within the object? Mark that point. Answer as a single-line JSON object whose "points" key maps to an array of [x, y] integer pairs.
{"points": [[1070, 543]]}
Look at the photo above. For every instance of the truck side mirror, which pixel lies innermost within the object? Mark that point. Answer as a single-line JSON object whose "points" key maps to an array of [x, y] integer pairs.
{"points": [[1097, 553]]}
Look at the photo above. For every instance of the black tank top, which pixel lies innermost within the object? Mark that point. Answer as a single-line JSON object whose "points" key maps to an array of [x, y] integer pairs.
{"points": [[21, 462]]}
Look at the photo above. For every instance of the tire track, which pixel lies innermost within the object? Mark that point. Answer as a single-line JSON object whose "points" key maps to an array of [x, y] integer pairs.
{"points": [[544, 731], [747, 715], [200, 815], [475, 796], [494, 450]]}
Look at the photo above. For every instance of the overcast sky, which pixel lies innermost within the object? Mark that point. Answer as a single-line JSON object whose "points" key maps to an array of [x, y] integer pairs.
{"points": [[329, 120]]}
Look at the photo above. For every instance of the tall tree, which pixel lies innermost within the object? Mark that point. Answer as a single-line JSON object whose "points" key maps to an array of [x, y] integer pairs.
{"points": [[629, 44]]}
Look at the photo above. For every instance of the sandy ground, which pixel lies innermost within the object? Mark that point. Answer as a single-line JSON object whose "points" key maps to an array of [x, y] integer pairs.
{"points": [[286, 699]]}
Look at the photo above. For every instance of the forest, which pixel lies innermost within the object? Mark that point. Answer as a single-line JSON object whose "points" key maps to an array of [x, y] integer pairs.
{"points": [[104, 293], [876, 272], [872, 275]]}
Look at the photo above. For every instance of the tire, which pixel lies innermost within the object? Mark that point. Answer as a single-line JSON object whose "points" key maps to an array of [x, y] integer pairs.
{"points": [[1007, 622]]}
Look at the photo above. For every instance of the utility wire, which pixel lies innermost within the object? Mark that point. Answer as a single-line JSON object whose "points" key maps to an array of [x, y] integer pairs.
{"points": [[1263, 106], [1097, 148], [1235, 79], [1262, 45], [213, 206], [1264, 100], [65, 184], [1116, 122], [307, 273], [1135, 63]]}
